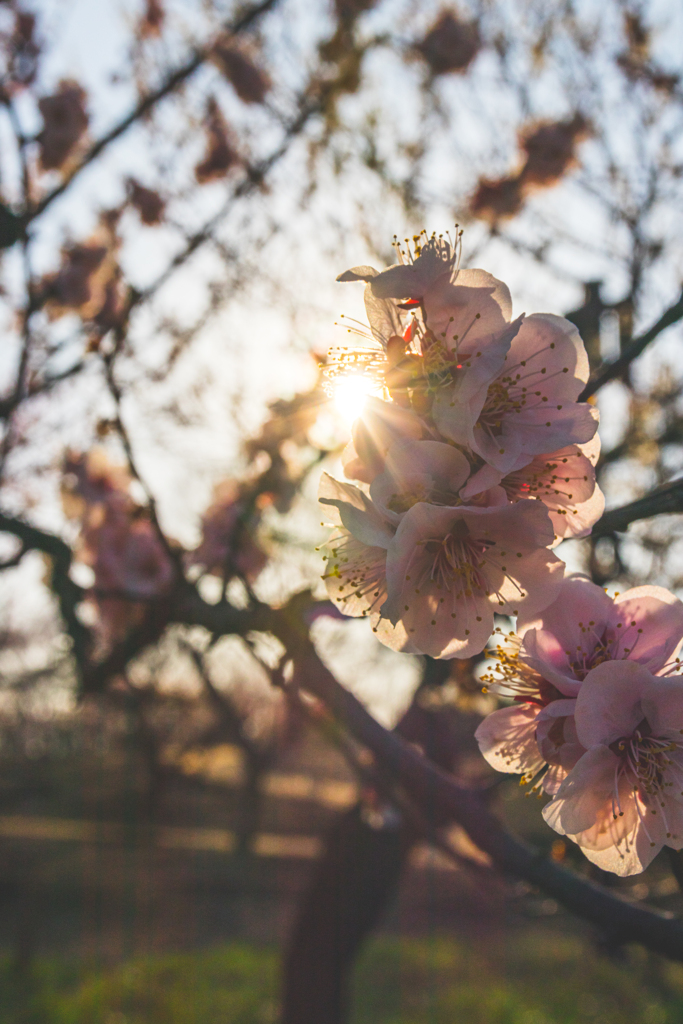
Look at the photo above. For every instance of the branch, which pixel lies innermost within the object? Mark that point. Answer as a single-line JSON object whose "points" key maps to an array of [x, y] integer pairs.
{"points": [[10, 403], [428, 786], [632, 351], [68, 594], [664, 500], [255, 174], [147, 102]]}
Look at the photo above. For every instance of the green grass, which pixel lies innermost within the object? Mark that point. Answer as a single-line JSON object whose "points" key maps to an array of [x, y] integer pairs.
{"points": [[542, 977], [535, 978]]}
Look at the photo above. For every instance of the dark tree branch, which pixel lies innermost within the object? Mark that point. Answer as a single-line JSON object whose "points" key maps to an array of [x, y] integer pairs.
{"points": [[9, 404], [632, 351], [428, 786], [665, 500], [68, 594]]}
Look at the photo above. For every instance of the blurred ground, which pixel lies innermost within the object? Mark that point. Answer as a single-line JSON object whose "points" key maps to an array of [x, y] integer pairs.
{"points": [[541, 977], [125, 904]]}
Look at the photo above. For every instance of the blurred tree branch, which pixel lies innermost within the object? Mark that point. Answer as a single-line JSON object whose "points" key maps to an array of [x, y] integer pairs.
{"points": [[632, 350], [663, 501], [147, 102]]}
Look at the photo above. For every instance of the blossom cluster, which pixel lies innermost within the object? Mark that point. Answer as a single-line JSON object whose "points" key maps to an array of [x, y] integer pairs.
{"points": [[118, 541], [130, 561], [596, 719], [473, 462]]}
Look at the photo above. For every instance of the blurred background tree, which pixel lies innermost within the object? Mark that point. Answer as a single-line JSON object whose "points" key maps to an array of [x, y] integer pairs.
{"points": [[180, 183]]}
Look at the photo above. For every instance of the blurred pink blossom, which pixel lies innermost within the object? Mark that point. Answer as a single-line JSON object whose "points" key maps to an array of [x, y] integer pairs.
{"points": [[227, 545]]}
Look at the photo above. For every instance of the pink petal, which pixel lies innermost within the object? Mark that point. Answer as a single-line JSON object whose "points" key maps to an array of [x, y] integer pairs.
{"points": [[394, 637], [585, 794], [357, 513], [533, 583], [507, 740], [652, 625], [480, 481], [609, 704], [474, 308], [552, 344], [355, 575], [553, 779], [628, 844], [444, 625], [379, 427], [455, 410], [579, 603], [384, 317], [591, 449], [421, 470], [542, 651], [663, 707], [556, 734]]}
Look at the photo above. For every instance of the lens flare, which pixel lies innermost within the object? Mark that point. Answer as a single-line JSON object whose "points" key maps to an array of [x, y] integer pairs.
{"points": [[351, 393]]}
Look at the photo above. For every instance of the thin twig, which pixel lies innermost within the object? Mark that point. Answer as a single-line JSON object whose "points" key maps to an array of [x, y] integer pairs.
{"points": [[68, 594]]}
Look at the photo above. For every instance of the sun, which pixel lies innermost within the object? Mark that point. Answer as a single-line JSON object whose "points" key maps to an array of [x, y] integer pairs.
{"points": [[351, 392]]}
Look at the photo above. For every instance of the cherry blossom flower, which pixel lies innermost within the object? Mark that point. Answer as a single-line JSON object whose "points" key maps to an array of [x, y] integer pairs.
{"points": [[551, 150], [148, 203], [483, 416], [623, 800], [450, 45], [585, 627], [461, 335], [535, 740], [530, 407], [544, 666], [494, 200], [118, 540], [563, 480], [87, 271], [65, 123], [412, 276], [126, 554], [236, 60], [131, 567], [448, 569], [356, 554], [221, 149], [535, 736]]}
